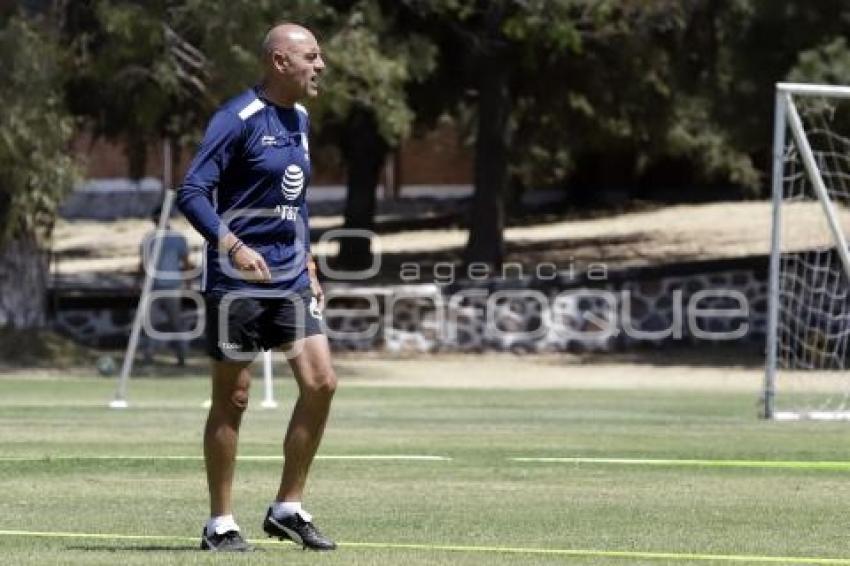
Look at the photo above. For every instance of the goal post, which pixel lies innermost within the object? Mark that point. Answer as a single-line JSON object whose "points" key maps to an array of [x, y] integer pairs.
{"points": [[808, 327], [142, 310]]}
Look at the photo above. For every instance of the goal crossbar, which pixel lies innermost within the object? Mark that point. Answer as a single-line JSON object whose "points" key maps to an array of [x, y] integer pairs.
{"points": [[804, 89]]}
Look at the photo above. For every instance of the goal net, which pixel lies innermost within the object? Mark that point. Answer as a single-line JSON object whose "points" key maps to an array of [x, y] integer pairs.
{"points": [[808, 332]]}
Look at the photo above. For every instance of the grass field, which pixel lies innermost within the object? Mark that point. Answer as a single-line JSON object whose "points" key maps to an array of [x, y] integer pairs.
{"points": [[70, 465]]}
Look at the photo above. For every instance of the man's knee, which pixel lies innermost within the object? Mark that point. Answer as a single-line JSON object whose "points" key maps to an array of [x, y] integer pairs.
{"points": [[322, 383], [231, 383], [239, 400]]}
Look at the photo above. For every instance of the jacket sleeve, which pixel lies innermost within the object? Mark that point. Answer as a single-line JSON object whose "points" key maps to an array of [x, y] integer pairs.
{"points": [[221, 142], [305, 221], [305, 211]]}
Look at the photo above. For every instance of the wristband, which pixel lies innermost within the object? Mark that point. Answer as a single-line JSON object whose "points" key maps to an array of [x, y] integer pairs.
{"points": [[234, 248]]}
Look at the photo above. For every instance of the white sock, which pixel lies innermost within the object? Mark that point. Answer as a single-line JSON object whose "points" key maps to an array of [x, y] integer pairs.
{"points": [[284, 509], [221, 524]]}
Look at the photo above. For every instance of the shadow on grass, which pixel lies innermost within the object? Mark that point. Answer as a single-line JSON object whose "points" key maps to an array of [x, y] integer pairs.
{"points": [[134, 548], [149, 548], [746, 355]]}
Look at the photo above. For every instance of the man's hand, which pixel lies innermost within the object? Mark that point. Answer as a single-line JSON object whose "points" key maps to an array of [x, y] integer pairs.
{"points": [[251, 265], [315, 286]]}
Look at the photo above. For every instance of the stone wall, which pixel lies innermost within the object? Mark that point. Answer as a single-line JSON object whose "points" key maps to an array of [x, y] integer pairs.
{"points": [[698, 302], [111, 199], [692, 303]]}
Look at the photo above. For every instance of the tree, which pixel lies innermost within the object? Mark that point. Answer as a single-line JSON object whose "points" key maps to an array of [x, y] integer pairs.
{"points": [[364, 108], [145, 71], [492, 56], [502, 44], [634, 107], [36, 170], [742, 48], [175, 61], [629, 95], [137, 79]]}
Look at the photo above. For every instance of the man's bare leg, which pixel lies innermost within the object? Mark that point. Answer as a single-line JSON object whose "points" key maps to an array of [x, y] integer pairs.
{"points": [[230, 384], [316, 383]]}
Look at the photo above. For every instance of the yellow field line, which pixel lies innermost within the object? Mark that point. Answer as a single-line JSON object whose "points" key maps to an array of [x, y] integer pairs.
{"points": [[669, 556]]}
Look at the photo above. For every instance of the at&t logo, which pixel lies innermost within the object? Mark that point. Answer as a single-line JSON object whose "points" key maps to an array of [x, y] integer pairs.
{"points": [[292, 182]]}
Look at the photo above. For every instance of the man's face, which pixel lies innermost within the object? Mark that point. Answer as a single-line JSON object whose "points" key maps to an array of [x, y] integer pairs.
{"points": [[302, 64]]}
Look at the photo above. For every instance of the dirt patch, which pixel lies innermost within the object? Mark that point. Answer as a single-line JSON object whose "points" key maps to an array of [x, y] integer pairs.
{"points": [[646, 237], [557, 371], [458, 371]]}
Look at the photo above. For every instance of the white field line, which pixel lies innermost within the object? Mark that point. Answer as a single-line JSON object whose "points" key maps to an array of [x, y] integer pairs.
{"points": [[273, 458], [787, 464], [665, 556]]}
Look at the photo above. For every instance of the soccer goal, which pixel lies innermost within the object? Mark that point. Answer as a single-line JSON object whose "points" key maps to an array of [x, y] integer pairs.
{"points": [[809, 284]]}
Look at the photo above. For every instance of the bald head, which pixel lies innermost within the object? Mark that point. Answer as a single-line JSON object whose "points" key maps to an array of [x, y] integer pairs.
{"points": [[284, 38], [293, 62]]}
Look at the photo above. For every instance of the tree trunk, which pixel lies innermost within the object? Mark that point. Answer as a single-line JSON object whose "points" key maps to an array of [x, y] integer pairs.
{"points": [[487, 216], [23, 284], [136, 151], [365, 152]]}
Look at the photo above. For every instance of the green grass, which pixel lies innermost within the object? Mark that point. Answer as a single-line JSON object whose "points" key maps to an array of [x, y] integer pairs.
{"points": [[480, 498]]}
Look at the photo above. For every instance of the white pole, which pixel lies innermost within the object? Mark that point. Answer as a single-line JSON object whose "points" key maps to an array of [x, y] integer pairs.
{"points": [[775, 254], [120, 400], [805, 89], [268, 384]]}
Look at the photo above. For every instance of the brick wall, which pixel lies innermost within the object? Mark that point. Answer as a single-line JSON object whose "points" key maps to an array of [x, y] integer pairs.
{"points": [[436, 158]]}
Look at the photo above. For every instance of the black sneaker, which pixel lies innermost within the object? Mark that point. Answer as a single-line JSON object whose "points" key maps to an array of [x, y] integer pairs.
{"points": [[298, 530], [231, 541]]}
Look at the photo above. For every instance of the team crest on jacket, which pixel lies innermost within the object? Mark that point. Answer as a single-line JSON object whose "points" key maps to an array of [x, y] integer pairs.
{"points": [[292, 182]]}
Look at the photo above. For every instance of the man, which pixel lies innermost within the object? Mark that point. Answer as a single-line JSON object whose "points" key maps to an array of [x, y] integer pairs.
{"points": [[260, 279], [173, 261]]}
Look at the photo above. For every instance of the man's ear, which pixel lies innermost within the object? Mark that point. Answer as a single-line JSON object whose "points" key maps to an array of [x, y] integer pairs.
{"points": [[280, 60]]}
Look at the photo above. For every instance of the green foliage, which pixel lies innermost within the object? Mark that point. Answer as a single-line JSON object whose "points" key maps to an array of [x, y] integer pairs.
{"points": [[610, 93], [228, 34], [144, 71], [828, 63], [36, 169], [640, 89], [371, 65], [641, 82], [763, 42], [135, 79], [646, 80], [696, 137]]}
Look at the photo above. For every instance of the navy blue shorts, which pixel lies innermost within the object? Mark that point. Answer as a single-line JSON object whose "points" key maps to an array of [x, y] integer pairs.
{"points": [[239, 326]]}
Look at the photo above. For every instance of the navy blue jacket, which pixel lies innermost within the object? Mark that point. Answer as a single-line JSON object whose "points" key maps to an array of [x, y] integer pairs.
{"points": [[250, 177]]}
